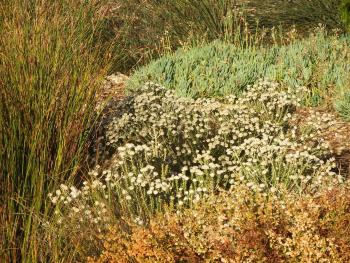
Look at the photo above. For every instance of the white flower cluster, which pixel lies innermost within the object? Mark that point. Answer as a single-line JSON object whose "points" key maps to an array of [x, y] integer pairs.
{"points": [[174, 151], [86, 206]]}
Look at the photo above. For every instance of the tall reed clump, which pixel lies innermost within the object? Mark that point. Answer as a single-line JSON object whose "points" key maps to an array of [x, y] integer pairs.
{"points": [[305, 15], [214, 19], [51, 65], [150, 28], [345, 13]]}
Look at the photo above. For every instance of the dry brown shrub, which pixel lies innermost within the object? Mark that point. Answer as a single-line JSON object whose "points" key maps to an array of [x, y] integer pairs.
{"points": [[242, 226]]}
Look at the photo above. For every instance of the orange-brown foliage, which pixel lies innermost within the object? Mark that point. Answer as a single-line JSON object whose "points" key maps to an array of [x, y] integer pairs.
{"points": [[242, 226]]}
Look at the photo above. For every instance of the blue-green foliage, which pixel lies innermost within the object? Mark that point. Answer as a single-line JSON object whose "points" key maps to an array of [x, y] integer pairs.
{"points": [[320, 62]]}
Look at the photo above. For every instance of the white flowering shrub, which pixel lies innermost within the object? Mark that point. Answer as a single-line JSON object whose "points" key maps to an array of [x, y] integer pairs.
{"points": [[83, 207], [173, 151]]}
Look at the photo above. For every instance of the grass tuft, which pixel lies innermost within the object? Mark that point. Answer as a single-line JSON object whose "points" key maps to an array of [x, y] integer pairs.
{"points": [[50, 69]]}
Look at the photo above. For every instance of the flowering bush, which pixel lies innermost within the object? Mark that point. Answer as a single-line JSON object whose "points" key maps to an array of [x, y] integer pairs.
{"points": [[172, 151]]}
